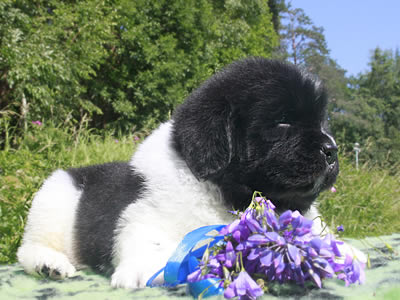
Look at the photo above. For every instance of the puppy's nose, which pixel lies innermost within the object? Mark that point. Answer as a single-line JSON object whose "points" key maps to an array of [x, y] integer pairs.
{"points": [[330, 150]]}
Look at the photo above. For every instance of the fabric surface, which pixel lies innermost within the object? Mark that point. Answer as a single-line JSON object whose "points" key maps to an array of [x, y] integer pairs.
{"points": [[382, 282]]}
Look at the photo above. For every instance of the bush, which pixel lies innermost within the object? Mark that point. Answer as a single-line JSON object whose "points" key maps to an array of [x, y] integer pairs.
{"points": [[123, 63]]}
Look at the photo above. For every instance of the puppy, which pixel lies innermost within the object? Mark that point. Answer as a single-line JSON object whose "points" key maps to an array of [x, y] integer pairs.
{"points": [[258, 125]]}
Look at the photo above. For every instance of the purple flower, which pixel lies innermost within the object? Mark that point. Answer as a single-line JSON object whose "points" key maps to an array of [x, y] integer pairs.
{"points": [[238, 229], [264, 202], [352, 271], [285, 219], [340, 228], [195, 276], [272, 221], [230, 255], [274, 248], [333, 189], [243, 286], [37, 123]]}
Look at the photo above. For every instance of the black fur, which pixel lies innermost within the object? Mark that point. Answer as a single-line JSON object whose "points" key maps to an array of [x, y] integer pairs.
{"points": [[256, 126], [106, 190]]}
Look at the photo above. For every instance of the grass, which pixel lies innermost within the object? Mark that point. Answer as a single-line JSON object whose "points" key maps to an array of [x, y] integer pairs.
{"points": [[367, 202]]}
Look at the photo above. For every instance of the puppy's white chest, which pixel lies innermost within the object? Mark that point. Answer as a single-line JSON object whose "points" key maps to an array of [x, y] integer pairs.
{"points": [[174, 204]]}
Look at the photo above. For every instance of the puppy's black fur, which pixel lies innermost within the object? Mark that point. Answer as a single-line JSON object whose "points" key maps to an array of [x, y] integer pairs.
{"points": [[256, 126], [106, 191]]}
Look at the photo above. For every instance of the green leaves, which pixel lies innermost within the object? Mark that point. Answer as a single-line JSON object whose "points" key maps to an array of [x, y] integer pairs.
{"points": [[370, 112], [124, 63], [55, 47]]}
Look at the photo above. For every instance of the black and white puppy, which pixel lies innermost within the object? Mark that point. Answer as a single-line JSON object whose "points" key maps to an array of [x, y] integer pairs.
{"points": [[258, 125]]}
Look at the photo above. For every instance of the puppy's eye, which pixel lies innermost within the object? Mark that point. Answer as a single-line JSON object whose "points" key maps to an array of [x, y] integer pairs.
{"points": [[283, 125], [282, 122]]}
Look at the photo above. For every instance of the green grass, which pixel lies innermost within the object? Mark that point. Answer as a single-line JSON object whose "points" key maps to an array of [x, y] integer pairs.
{"points": [[367, 202]]}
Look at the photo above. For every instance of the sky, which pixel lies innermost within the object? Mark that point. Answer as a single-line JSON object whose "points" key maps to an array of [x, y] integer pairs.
{"points": [[353, 28]]}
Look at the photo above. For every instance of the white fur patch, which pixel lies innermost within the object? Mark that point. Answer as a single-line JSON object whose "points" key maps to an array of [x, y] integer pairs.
{"points": [[319, 227], [48, 237], [174, 204]]}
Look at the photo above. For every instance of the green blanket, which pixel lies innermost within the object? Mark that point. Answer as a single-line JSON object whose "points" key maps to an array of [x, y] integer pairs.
{"points": [[382, 282]]}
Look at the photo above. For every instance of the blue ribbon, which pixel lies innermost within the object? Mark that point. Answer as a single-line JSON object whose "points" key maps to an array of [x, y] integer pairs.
{"points": [[185, 260]]}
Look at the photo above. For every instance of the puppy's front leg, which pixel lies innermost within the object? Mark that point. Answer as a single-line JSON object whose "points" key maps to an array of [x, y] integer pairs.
{"points": [[139, 253]]}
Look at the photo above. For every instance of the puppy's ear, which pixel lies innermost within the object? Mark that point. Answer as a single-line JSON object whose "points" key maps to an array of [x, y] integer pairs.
{"points": [[203, 136]]}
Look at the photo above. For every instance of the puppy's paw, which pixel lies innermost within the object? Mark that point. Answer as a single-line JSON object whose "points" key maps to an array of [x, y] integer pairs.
{"points": [[45, 262], [127, 278], [56, 266]]}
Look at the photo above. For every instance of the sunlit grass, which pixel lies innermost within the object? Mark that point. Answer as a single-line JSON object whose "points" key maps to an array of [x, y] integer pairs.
{"points": [[367, 201]]}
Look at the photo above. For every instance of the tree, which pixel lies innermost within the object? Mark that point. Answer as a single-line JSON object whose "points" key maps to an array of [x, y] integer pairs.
{"points": [[165, 49], [276, 7], [383, 83], [123, 63], [371, 113], [47, 50], [300, 38]]}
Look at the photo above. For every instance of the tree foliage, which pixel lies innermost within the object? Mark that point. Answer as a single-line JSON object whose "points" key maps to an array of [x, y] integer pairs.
{"points": [[371, 113], [127, 64], [300, 38], [123, 63]]}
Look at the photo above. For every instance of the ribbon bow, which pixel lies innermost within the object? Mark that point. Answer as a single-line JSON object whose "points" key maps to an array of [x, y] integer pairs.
{"points": [[185, 260]]}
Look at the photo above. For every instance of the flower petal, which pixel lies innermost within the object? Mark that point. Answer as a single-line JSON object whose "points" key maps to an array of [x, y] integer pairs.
{"points": [[195, 276], [271, 220], [272, 236], [246, 285], [316, 244], [253, 225], [315, 277], [258, 239], [285, 219], [266, 260], [294, 254], [236, 235], [254, 254], [230, 291]]}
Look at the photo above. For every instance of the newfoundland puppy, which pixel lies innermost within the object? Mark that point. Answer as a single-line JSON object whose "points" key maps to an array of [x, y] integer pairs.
{"points": [[258, 125]]}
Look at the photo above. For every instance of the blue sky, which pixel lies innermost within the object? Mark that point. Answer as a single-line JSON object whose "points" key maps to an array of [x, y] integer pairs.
{"points": [[355, 27]]}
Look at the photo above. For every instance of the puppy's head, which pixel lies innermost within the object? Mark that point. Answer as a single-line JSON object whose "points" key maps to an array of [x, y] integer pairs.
{"points": [[259, 125]]}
